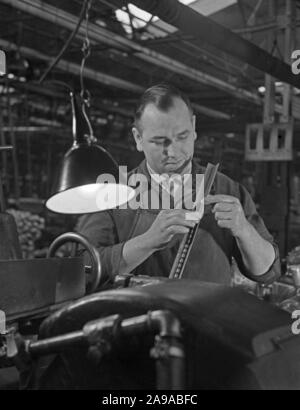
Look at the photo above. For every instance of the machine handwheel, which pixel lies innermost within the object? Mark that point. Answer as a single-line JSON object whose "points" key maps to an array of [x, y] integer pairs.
{"points": [[93, 272]]}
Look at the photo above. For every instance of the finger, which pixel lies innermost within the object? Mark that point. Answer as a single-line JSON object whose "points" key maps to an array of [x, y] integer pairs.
{"points": [[224, 224], [223, 207], [193, 216], [223, 216], [167, 212], [175, 229], [170, 213], [178, 217], [212, 199], [180, 221]]}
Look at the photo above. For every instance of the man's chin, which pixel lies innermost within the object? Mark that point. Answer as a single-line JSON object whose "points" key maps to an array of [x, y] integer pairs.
{"points": [[174, 167], [171, 167]]}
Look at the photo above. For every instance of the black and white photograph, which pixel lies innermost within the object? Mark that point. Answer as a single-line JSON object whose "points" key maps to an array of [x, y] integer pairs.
{"points": [[149, 198]]}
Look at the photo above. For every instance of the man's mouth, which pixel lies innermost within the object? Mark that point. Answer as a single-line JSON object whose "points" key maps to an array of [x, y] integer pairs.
{"points": [[171, 162], [179, 165]]}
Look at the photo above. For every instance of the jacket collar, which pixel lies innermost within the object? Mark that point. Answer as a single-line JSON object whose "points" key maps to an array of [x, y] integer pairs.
{"points": [[196, 169]]}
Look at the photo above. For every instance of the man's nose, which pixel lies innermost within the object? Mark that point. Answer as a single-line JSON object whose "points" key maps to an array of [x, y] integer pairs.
{"points": [[169, 149]]}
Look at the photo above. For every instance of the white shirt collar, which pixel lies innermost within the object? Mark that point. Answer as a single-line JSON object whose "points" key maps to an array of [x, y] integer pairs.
{"points": [[164, 179]]}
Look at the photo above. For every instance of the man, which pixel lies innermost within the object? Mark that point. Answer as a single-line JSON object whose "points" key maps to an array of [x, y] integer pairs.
{"points": [[145, 241]]}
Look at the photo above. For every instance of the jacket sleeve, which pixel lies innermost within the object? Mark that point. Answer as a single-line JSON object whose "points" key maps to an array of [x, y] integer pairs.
{"points": [[99, 228], [253, 217]]}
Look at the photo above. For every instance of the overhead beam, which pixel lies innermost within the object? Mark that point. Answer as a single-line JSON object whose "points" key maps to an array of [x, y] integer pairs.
{"points": [[209, 112], [102, 78], [35, 89], [74, 68], [279, 24], [29, 128], [203, 28], [99, 34], [258, 28]]}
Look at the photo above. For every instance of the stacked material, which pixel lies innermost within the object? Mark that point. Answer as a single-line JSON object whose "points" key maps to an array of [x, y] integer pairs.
{"points": [[30, 229]]}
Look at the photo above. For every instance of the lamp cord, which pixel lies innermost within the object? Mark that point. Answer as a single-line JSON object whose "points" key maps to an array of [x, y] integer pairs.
{"points": [[86, 51], [68, 42]]}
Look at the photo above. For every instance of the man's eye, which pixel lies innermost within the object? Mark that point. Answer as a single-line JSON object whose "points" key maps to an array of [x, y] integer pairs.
{"points": [[183, 137]]}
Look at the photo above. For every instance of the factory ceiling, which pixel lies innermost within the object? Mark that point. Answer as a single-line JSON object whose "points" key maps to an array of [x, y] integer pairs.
{"points": [[131, 50]]}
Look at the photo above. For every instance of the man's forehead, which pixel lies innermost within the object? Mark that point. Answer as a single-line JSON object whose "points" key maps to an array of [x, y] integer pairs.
{"points": [[173, 116]]}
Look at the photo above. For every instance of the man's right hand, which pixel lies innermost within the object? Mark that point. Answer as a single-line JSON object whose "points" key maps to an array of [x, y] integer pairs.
{"points": [[167, 224]]}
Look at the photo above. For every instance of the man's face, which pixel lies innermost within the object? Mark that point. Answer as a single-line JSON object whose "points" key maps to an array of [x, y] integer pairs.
{"points": [[166, 138]]}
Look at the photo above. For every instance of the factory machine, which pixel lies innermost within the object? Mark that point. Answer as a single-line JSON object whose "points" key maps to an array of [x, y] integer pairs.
{"points": [[69, 327]]}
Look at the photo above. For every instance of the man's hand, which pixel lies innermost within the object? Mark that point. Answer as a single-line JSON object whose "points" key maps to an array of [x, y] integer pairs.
{"points": [[167, 224], [257, 253], [229, 214]]}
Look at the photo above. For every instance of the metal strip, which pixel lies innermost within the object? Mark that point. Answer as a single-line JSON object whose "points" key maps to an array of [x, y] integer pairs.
{"points": [[188, 239]]}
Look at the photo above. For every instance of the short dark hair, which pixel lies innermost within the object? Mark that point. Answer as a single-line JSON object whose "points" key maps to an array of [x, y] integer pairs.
{"points": [[162, 96]]}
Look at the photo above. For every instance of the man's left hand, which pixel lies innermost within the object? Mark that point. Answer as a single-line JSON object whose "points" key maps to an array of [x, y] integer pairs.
{"points": [[229, 214]]}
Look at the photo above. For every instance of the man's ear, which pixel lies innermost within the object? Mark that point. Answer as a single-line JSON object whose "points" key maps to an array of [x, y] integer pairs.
{"points": [[138, 139], [194, 126]]}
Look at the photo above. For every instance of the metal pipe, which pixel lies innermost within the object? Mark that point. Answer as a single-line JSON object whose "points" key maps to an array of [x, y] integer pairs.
{"points": [[56, 344], [36, 88], [278, 25], [170, 364], [257, 28], [59, 17], [4, 170], [210, 112], [26, 129], [74, 68], [14, 151], [6, 147], [191, 22], [168, 350]]}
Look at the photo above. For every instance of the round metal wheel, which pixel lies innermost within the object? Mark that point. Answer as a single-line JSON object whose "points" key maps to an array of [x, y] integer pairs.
{"points": [[94, 271]]}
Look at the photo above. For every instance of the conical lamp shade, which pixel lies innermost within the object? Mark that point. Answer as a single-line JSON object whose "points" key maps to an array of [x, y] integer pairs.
{"points": [[76, 189]]}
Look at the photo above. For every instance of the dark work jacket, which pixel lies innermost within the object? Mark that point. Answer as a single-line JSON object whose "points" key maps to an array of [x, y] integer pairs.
{"points": [[211, 255]]}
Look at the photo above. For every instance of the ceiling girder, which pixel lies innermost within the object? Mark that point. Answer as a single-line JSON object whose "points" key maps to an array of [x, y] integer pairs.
{"points": [[59, 17], [193, 23]]}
